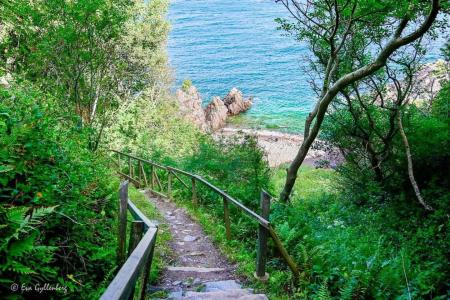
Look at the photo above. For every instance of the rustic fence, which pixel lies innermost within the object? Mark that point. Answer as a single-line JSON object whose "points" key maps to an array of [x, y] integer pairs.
{"points": [[136, 170], [140, 251]]}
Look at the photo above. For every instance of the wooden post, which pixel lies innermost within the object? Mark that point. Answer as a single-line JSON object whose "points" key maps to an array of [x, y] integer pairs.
{"points": [[152, 179], [146, 273], [145, 176], [137, 229], [263, 235], [226, 217], [123, 196], [158, 182], [118, 162], [287, 258], [169, 184], [194, 192], [140, 173], [130, 168]]}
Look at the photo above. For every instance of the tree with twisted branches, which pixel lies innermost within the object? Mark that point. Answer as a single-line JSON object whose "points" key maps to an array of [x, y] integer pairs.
{"points": [[350, 40]]}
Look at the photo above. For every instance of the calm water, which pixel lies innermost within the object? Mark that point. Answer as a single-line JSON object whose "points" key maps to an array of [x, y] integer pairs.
{"points": [[219, 44]]}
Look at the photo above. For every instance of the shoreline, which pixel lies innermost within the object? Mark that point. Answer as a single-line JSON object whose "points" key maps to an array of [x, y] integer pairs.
{"points": [[280, 147]]}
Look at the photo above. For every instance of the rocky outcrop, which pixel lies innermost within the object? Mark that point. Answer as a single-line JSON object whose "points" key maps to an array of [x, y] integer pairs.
{"points": [[236, 103], [216, 114], [428, 82], [190, 104]]}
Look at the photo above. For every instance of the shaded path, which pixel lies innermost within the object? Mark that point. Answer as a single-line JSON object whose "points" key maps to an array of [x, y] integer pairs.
{"points": [[198, 270]]}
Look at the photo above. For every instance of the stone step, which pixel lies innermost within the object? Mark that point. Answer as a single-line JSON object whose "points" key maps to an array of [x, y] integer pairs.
{"points": [[237, 294], [222, 285], [194, 269]]}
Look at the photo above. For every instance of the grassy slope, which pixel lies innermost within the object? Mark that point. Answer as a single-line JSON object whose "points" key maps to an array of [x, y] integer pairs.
{"points": [[311, 183]]}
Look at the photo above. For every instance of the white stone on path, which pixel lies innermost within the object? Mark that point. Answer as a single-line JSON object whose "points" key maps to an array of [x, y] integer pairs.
{"points": [[190, 238]]}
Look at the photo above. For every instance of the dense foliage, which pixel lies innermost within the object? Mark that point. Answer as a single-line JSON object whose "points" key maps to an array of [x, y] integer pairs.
{"points": [[95, 55], [66, 69], [379, 170], [56, 212], [369, 237], [349, 251]]}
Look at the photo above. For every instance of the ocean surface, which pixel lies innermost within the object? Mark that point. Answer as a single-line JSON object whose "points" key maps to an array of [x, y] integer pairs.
{"points": [[220, 44]]}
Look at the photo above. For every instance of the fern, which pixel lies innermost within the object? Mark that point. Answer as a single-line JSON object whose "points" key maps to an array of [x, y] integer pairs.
{"points": [[23, 246], [349, 288], [323, 293], [19, 244], [40, 213], [20, 268], [355, 288]]}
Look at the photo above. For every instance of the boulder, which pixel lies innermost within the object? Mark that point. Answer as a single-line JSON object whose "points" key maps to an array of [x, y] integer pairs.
{"points": [[190, 104], [236, 103], [216, 114]]}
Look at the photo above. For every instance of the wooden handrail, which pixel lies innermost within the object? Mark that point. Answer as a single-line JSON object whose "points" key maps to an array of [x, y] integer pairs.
{"points": [[238, 204], [124, 282], [140, 259], [226, 198], [181, 171], [138, 215], [140, 159], [177, 177]]}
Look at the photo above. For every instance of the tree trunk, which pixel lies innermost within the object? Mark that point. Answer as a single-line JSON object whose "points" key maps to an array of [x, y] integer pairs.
{"points": [[410, 164]]}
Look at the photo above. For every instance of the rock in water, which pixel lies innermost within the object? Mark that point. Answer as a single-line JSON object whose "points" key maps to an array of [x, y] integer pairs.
{"points": [[216, 114], [236, 103], [190, 103]]}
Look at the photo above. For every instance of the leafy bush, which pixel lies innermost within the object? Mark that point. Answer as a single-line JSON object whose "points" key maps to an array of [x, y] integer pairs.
{"points": [[389, 251], [55, 198], [374, 179], [152, 128], [236, 164]]}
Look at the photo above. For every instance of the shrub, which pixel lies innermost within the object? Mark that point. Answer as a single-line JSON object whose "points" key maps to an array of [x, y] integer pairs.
{"points": [[236, 164], [59, 193]]}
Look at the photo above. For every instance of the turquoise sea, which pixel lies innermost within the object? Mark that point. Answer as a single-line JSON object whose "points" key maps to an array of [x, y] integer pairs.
{"points": [[219, 44]]}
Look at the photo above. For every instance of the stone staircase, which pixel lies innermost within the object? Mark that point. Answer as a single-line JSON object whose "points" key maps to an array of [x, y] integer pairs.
{"points": [[197, 270], [217, 290]]}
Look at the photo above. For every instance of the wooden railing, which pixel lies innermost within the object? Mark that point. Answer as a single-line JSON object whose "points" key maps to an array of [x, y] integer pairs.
{"points": [[128, 164], [140, 251]]}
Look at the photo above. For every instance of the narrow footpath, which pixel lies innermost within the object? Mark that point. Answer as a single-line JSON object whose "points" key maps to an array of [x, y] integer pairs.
{"points": [[198, 270]]}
